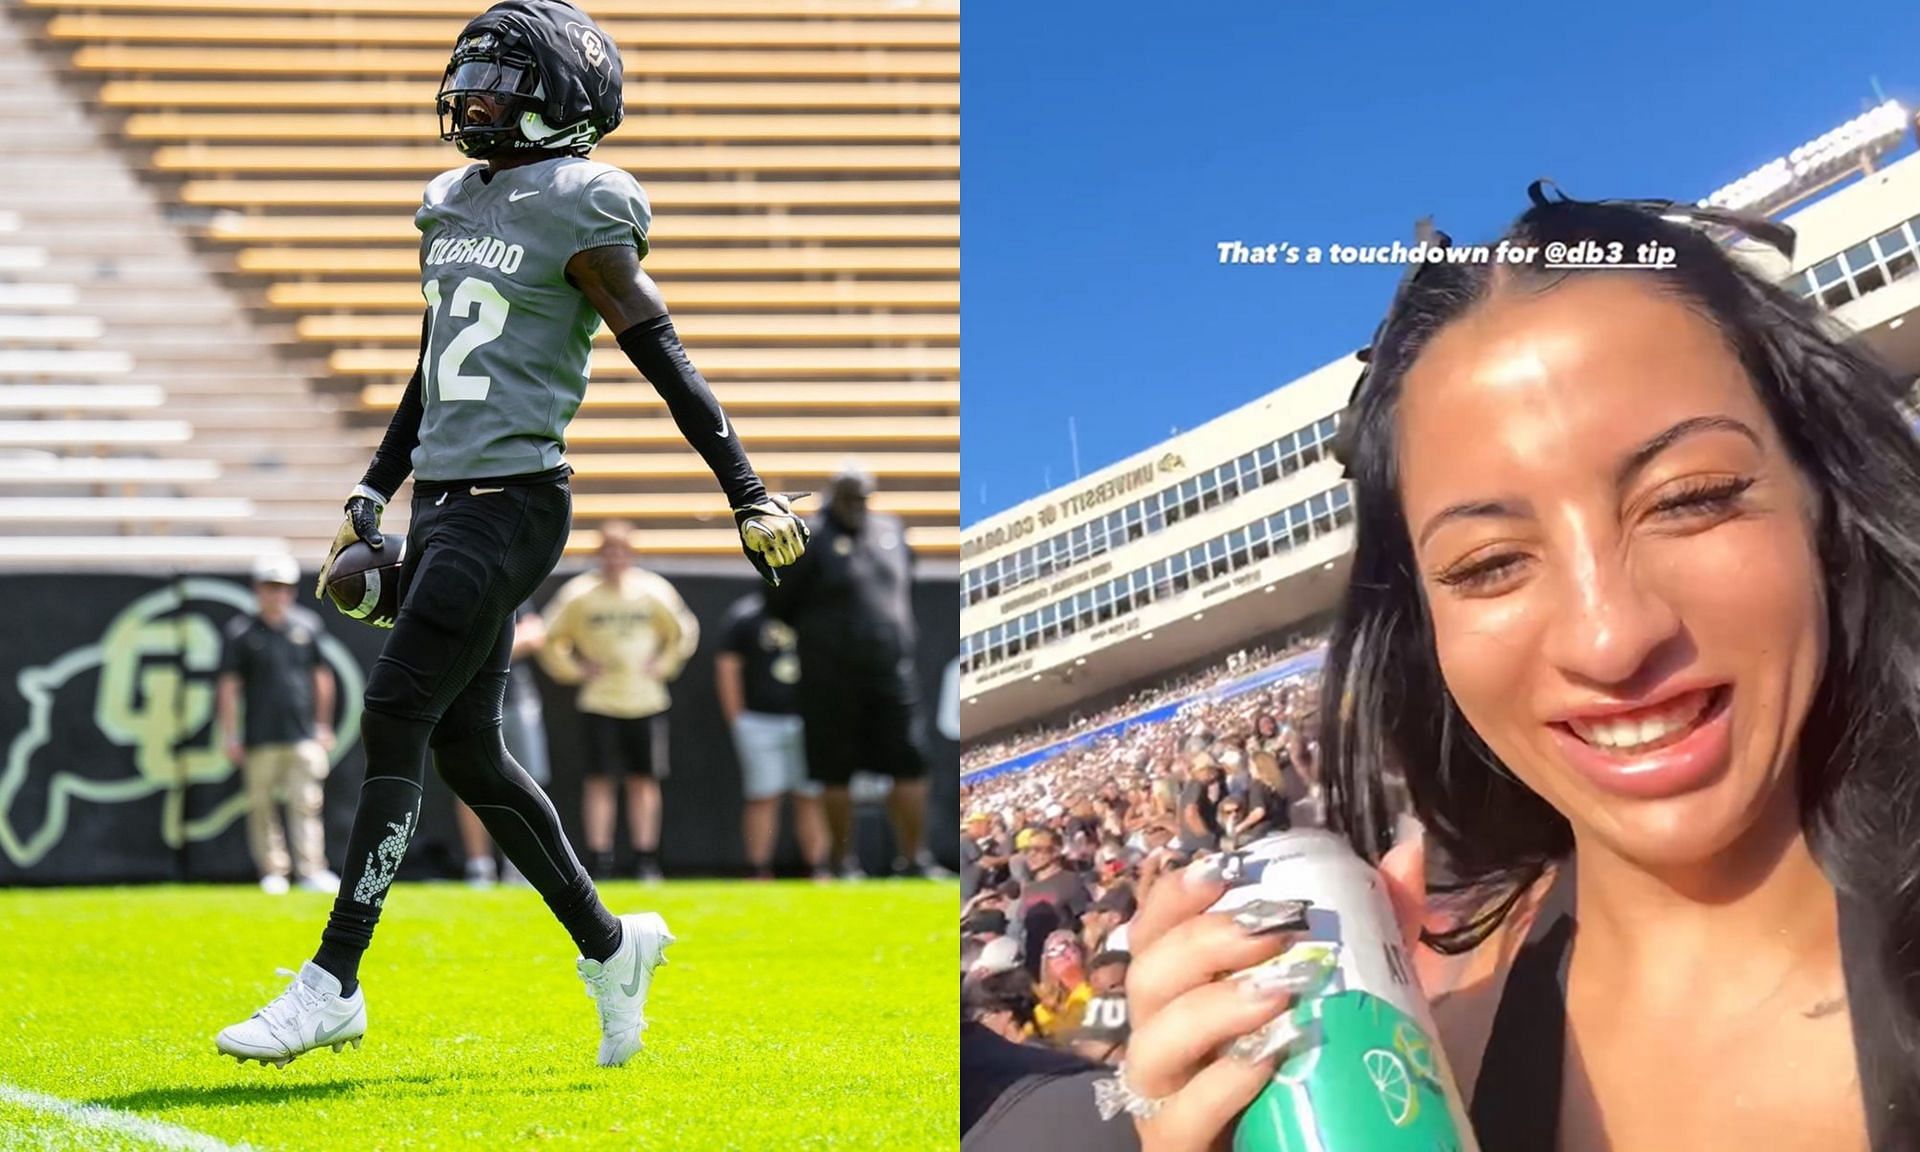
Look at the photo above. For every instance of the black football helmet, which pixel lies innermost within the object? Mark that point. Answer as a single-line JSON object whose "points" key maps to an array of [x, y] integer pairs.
{"points": [[542, 72]]}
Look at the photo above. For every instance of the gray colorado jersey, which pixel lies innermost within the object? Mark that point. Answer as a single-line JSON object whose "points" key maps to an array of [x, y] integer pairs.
{"points": [[508, 342]]}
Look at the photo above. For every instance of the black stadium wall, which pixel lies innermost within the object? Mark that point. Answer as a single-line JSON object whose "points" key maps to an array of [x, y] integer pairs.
{"points": [[113, 771]]}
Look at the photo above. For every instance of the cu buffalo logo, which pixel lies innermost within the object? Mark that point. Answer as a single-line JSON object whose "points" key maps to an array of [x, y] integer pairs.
{"points": [[131, 715], [593, 49]]}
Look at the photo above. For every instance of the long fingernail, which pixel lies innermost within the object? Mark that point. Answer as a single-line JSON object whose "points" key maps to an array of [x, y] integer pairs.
{"points": [[1270, 980], [1264, 1042], [1262, 916], [1206, 870]]}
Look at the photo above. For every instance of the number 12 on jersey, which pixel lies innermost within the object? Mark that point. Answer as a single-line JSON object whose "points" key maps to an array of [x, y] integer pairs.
{"points": [[453, 383]]}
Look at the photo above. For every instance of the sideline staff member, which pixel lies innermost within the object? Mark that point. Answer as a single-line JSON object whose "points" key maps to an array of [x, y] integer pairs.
{"points": [[623, 634], [272, 665], [757, 676], [850, 602]]}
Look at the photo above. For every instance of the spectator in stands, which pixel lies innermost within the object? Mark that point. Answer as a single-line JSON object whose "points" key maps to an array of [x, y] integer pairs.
{"points": [[524, 729], [1199, 805], [1114, 908], [1053, 898], [757, 675], [983, 856], [1103, 1031], [1001, 1000], [623, 634], [850, 602], [274, 700], [1062, 989]]}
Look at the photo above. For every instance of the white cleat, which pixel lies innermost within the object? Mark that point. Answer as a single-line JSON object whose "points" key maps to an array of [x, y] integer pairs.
{"points": [[310, 1014], [620, 985], [273, 885]]}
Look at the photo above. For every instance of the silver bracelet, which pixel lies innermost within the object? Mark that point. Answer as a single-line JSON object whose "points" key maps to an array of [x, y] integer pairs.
{"points": [[1112, 1096]]}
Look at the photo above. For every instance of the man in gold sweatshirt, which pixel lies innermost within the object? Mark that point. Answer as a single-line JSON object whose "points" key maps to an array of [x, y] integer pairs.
{"points": [[623, 634]]}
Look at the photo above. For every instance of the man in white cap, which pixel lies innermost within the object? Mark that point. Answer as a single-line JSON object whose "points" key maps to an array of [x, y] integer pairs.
{"points": [[276, 722]]}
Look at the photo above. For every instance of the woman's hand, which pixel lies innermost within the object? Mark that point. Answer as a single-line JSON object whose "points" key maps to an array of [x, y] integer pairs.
{"points": [[1198, 1044]]}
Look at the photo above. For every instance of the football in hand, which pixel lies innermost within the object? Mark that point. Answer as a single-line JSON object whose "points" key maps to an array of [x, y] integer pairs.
{"points": [[365, 584]]}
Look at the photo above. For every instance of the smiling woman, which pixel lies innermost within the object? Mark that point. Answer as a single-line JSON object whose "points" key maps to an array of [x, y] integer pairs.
{"points": [[1636, 584]]}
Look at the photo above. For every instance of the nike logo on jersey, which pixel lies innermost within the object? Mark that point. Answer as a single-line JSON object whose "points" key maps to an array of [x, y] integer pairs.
{"points": [[516, 197], [477, 491], [723, 425], [486, 251]]}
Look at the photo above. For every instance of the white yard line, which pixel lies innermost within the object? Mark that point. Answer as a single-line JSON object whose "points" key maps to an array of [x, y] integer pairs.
{"points": [[156, 1132]]}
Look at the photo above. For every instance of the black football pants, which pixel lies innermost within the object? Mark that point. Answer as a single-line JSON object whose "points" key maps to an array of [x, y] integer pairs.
{"points": [[474, 554]]}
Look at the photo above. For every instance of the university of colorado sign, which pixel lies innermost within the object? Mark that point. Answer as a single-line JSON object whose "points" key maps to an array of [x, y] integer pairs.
{"points": [[1065, 509]]}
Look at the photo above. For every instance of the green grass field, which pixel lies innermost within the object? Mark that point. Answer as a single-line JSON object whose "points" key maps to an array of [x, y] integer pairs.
{"points": [[788, 1016]]}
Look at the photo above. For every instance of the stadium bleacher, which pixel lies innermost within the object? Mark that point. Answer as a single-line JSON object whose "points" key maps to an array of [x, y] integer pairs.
{"points": [[802, 157]]}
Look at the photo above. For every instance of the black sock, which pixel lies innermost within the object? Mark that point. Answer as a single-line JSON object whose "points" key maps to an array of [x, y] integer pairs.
{"points": [[649, 858], [595, 931], [600, 864]]}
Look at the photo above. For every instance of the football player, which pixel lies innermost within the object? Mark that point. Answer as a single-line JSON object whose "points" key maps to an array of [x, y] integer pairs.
{"points": [[523, 253]]}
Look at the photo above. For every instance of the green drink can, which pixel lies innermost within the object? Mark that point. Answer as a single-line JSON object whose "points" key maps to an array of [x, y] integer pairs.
{"points": [[1362, 1069]]}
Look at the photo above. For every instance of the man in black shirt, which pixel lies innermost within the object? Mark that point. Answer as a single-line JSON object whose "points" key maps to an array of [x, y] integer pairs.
{"points": [[983, 857], [757, 674], [272, 674], [1054, 898], [1199, 804], [850, 602]]}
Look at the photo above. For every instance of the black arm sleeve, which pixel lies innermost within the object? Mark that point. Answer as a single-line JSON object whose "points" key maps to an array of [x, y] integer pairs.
{"points": [[655, 349], [393, 460]]}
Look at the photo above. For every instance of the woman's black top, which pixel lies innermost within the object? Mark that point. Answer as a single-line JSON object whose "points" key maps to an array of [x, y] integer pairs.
{"points": [[1516, 1099]]}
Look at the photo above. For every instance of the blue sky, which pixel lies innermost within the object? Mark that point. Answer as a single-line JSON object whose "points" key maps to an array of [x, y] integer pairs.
{"points": [[1110, 146]]}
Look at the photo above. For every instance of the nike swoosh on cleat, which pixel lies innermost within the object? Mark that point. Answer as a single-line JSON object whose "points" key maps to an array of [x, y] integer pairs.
{"points": [[325, 1035], [485, 491], [632, 987], [514, 196]]}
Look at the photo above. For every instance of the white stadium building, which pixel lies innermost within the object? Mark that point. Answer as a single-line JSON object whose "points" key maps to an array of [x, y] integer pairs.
{"points": [[1239, 531]]}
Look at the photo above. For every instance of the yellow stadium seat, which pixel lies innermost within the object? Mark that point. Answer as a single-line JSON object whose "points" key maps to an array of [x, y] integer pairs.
{"points": [[430, 62], [663, 261], [387, 128], [424, 160], [778, 469], [630, 35], [665, 505], [681, 227], [682, 295], [888, 10], [927, 539], [665, 197], [785, 396], [725, 328], [718, 363], [809, 430], [652, 95]]}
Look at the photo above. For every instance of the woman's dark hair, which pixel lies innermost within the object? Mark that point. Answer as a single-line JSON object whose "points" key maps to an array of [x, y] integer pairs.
{"points": [[1011, 991], [1386, 707]]}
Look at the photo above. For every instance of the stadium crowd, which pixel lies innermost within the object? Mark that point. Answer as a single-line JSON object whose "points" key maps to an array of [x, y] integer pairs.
{"points": [[1056, 858], [1243, 662]]}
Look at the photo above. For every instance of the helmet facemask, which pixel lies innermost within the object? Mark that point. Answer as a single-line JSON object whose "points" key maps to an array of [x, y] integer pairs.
{"points": [[480, 76], [507, 85]]}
